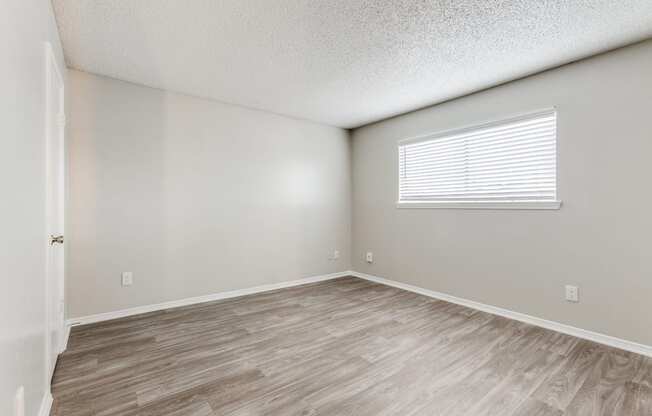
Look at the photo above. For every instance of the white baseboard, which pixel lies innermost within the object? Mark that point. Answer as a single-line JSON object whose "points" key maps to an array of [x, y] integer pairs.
{"points": [[554, 326], [83, 320], [66, 336], [494, 310], [46, 404]]}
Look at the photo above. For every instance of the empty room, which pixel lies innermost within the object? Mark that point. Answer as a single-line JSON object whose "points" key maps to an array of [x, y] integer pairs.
{"points": [[326, 208]]}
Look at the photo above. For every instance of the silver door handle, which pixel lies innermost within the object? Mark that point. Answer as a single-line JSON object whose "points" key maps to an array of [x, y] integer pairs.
{"points": [[56, 239]]}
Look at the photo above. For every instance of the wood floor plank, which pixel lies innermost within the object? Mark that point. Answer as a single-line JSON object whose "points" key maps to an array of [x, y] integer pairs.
{"points": [[561, 386], [341, 347], [534, 407], [605, 389]]}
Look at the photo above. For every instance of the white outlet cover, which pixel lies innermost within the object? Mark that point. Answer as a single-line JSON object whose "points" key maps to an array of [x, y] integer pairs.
{"points": [[336, 255], [370, 257], [572, 293], [127, 278]]}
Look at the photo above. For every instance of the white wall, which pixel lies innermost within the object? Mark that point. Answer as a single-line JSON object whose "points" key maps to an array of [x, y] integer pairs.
{"points": [[521, 260], [24, 27], [196, 197]]}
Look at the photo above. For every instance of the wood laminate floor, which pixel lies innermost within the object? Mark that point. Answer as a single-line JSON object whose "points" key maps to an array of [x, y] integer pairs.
{"points": [[341, 347]]}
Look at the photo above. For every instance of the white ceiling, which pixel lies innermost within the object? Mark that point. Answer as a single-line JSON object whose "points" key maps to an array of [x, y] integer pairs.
{"points": [[339, 62]]}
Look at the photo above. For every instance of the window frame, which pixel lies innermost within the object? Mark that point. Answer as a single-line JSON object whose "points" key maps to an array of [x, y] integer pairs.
{"points": [[509, 205]]}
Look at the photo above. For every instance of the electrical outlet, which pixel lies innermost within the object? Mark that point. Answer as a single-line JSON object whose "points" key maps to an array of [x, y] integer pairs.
{"points": [[572, 293], [369, 257], [127, 278], [336, 255]]}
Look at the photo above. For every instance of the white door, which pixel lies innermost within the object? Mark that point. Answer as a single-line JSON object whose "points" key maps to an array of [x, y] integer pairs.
{"points": [[55, 180]]}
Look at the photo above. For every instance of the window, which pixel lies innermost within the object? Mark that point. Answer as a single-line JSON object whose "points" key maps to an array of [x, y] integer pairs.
{"points": [[507, 164]]}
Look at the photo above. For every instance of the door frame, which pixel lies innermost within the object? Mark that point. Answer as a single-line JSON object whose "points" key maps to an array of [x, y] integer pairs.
{"points": [[54, 74]]}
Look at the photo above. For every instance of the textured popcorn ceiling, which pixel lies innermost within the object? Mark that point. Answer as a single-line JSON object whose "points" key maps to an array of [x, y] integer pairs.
{"points": [[339, 62]]}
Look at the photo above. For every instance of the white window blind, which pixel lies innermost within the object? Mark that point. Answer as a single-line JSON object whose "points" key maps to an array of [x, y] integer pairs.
{"points": [[505, 164]]}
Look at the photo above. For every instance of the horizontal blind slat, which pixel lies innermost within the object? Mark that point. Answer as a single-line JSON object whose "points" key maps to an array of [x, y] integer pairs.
{"points": [[435, 140], [510, 195], [480, 140], [526, 198], [497, 154], [545, 159], [534, 185], [499, 171], [469, 150]]}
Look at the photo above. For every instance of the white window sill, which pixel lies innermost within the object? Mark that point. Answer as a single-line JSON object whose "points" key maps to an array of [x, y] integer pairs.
{"points": [[544, 205]]}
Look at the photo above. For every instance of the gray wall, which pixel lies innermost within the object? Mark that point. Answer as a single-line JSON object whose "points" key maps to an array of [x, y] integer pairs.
{"points": [[521, 260], [24, 27], [196, 197]]}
